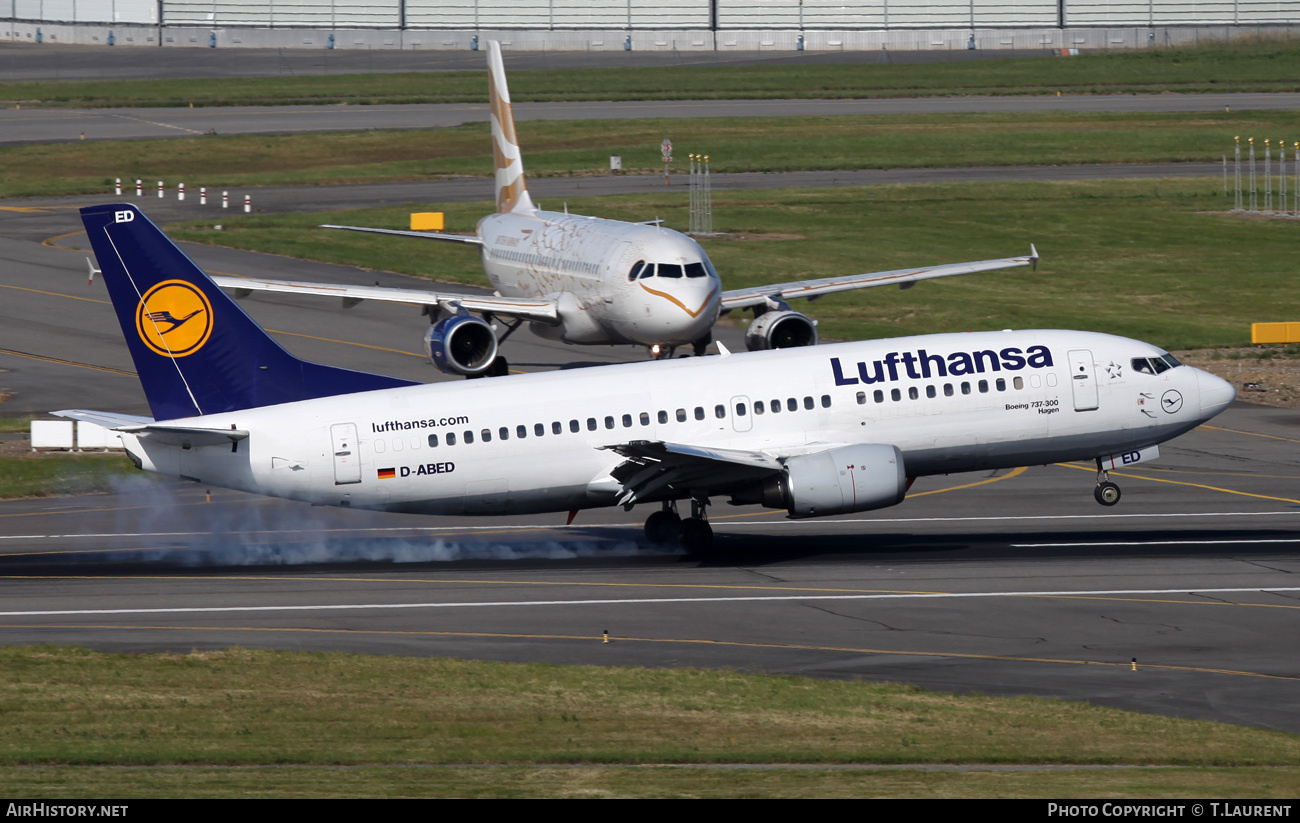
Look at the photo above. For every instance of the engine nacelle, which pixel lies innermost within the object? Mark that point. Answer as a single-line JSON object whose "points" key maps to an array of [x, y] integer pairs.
{"points": [[780, 330], [462, 344], [835, 481]]}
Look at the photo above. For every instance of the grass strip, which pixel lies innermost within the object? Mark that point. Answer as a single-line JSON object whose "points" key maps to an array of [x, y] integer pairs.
{"points": [[1158, 260], [47, 475], [1242, 66], [595, 782], [68, 706], [762, 144]]}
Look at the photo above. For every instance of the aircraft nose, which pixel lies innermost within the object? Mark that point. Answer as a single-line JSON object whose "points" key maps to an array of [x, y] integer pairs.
{"points": [[1216, 393]]}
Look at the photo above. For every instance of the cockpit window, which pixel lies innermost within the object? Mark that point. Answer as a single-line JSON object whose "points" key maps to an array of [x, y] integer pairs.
{"points": [[1154, 365], [670, 270], [696, 270], [636, 270]]}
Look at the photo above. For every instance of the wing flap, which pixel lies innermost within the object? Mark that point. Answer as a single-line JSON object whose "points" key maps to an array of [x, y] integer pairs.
{"points": [[904, 278], [651, 466]]}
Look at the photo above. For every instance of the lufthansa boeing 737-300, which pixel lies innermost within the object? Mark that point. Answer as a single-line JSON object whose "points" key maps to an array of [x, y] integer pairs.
{"points": [[815, 431], [587, 280]]}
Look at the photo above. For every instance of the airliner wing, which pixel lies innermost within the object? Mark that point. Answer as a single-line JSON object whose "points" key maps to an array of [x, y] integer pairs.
{"points": [[523, 308], [653, 465], [904, 278], [467, 239]]}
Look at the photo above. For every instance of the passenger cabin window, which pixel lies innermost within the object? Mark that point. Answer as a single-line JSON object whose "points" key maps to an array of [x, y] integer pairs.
{"points": [[451, 438], [681, 415], [433, 440], [720, 411], [663, 416], [699, 412], [469, 438]]}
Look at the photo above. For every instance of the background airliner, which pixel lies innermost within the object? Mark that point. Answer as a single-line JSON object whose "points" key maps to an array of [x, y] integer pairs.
{"points": [[588, 280], [815, 431]]}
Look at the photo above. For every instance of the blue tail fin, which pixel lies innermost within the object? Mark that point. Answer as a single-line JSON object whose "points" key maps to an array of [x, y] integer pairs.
{"points": [[196, 351]]}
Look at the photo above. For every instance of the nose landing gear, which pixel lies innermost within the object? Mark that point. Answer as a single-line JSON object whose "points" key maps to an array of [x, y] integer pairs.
{"points": [[1107, 493]]}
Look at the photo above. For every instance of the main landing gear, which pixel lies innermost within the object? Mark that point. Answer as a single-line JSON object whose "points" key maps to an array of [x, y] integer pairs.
{"points": [[694, 533], [1107, 493]]}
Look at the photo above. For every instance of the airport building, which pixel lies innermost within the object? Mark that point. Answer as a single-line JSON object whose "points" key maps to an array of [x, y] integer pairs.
{"points": [[540, 25]]}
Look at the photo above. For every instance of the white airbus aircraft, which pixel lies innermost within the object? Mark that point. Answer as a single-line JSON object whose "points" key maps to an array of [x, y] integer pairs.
{"points": [[815, 431], [587, 280]]}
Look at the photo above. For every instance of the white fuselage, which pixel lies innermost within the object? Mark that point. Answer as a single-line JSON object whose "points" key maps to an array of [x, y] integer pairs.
{"points": [[532, 443], [586, 262]]}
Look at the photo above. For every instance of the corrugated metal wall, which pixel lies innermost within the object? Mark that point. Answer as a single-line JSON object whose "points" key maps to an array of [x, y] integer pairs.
{"points": [[651, 15], [81, 11]]}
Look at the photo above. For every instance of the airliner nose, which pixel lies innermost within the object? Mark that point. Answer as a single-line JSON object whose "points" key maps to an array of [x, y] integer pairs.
{"points": [[1216, 393]]}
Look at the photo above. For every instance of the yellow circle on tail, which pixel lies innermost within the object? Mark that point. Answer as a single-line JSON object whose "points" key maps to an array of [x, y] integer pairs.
{"points": [[174, 318]]}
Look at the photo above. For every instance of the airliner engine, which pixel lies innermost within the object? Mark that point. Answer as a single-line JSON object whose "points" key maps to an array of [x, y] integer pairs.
{"points": [[783, 329], [836, 481], [462, 344]]}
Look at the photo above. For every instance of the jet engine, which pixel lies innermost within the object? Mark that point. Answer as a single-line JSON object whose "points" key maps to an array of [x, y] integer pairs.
{"points": [[783, 329], [836, 481], [462, 344]]}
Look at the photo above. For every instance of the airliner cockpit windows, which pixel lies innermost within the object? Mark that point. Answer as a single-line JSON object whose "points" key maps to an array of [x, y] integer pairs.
{"points": [[636, 270], [696, 270], [670, 270], [1154, 365]]}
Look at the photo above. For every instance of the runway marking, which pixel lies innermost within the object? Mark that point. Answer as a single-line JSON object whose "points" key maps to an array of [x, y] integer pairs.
{"points": [[1181, 483], [62, 362], [994, 518], [676, 641], [1252, 434], [154, 123], [56, 294], [1152, 543], [50, 241], [639, 601], [505, 528], [1013, 473]]}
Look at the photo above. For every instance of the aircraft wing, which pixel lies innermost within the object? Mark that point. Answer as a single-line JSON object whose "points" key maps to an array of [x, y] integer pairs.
{"points": [[523, 308], [904, 278], [653, 465], [467, 239]]}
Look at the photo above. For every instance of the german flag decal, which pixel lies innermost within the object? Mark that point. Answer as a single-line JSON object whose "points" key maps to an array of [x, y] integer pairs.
{"points": [[387, 474]]}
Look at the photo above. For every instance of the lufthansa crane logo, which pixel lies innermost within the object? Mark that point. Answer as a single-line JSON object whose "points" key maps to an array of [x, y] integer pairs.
{"points": [[174, 319]]}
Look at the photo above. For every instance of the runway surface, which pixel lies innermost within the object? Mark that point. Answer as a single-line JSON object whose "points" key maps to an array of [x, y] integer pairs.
{"points": [[53, 125], [1012, 583], [1181, 600], [1009, 583]]}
